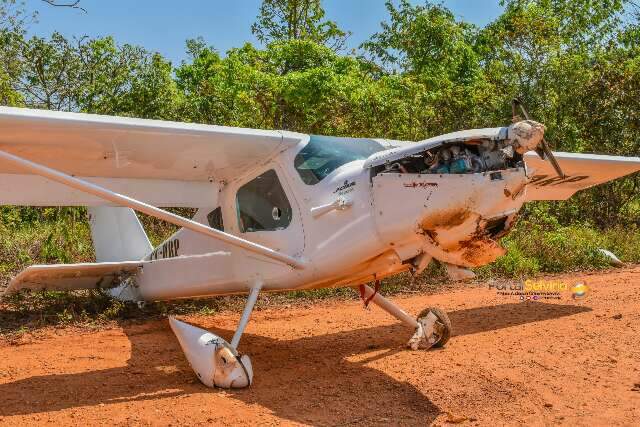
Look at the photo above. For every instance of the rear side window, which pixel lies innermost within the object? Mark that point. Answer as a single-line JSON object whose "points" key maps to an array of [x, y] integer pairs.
{"points": [[324, 154], [262, 204], [214, 218]]}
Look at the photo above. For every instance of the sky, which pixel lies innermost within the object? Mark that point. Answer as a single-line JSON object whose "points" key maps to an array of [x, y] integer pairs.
{"points": [[164, 25]]}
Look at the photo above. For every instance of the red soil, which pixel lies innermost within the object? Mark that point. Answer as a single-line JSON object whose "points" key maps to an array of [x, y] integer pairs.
{"points": [[562, 362]]}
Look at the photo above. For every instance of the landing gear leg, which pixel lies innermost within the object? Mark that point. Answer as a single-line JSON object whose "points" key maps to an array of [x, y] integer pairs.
{"points": [[246, 313], [432, 328], [216, 362]]}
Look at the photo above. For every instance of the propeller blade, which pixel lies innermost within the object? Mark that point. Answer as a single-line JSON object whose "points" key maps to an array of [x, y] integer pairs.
{"points": [[552, 159]]}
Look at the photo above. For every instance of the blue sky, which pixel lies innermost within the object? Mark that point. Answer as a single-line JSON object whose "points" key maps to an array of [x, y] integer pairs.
{"points": [[164, 25]]}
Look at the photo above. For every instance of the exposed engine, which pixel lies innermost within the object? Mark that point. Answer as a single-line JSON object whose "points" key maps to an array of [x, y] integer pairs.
{"points": [[461, 158], [472, 155]]}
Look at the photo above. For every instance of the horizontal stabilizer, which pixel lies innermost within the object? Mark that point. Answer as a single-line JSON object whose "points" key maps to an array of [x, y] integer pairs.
{"points": [[68, 277], [581, 171]]}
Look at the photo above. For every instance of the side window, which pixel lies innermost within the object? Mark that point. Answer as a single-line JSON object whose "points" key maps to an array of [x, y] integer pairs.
{"points": [[215, 219], [262, 204]]}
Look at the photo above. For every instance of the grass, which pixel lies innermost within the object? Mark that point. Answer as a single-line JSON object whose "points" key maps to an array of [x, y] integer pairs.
{"points": [[42, 243]]}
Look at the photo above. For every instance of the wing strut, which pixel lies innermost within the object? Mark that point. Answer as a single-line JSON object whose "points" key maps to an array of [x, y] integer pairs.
{"points": [[145, 208]]}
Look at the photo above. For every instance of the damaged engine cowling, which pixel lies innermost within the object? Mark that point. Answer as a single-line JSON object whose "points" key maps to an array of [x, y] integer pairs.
{"points": [[473, 155], [451, 197]]}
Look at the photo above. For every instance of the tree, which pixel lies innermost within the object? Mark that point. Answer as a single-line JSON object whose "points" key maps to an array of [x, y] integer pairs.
{"points": [[538, 46], [425, 40], [48, 75], [8, 96], [12, 20], [72, 4], [285, 20], [90, 75], [124, 80], [573, 23]]}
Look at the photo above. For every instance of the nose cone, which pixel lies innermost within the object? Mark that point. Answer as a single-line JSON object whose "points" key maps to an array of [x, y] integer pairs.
{"points": [[213, 360], [526, 135]]}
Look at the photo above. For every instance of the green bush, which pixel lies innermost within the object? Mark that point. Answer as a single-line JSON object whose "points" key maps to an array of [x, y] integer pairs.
{"points": [[539, 244], [42, 236]]}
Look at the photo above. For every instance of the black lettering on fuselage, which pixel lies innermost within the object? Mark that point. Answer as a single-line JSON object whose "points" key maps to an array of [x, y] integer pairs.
{"points": [[168, 249]]}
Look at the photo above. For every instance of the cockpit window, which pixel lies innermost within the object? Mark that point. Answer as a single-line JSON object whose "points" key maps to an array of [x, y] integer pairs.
{"points": [[324, 154]]}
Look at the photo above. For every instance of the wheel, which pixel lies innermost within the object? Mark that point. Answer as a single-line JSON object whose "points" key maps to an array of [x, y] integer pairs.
{"points": [[442, 328]]}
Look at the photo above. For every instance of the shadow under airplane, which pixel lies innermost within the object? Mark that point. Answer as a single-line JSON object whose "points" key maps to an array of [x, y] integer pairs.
{"points": [[296, 379]]}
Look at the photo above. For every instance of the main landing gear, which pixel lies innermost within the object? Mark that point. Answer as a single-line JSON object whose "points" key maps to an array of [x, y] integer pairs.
{"points": [[432, 327], [216, 362]]}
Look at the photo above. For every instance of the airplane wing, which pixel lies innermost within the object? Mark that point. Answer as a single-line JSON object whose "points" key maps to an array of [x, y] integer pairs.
{"points": [[581, 171], [70, 277], [163, 163]]}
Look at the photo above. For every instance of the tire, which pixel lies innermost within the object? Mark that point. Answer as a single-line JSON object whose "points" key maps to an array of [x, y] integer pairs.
{"points": [[443, 318]]}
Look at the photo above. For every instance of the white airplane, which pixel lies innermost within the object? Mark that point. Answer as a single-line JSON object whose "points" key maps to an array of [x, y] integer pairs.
{"points": [[277, 210]]}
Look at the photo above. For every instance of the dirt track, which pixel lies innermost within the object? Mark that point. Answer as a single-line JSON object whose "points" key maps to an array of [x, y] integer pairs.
{"points": [[568, 362]]}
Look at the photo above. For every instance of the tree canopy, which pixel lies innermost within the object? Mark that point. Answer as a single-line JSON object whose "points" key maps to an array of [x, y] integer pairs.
{"points": [[288, 20]]}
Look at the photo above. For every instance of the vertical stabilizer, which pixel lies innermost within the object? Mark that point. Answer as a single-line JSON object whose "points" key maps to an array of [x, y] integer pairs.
{"points": [[117, 234]]}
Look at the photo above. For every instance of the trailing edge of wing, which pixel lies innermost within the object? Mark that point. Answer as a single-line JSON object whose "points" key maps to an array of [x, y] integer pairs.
{"points": [[581, 171], [117, 147]]}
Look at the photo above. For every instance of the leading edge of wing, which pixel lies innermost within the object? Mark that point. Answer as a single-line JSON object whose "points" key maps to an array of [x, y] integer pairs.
{"points": [[127, 123], [581, 171], [122, 147]]}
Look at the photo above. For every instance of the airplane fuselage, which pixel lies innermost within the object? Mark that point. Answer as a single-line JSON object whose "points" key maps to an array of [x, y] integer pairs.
{"points": [[354, 225]]}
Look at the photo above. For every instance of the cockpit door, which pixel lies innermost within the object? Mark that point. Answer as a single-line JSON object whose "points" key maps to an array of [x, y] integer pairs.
{"points": [[263, 210]]}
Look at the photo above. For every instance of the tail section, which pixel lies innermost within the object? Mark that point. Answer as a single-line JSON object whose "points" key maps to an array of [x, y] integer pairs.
{"points": [[70, 277], [117, 234]]}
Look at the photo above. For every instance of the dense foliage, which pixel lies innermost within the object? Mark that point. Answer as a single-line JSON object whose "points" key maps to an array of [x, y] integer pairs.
{"points": [[575, 64]]}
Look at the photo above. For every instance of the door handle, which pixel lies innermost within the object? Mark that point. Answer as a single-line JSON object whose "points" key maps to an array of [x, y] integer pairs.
{"points": [[339, 204]]}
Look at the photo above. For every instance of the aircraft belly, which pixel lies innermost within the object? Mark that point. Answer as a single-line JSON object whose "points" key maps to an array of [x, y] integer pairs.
{"points": [[223, 272]]}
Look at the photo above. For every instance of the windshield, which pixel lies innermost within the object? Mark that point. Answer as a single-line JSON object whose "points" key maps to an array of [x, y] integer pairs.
{"points": [[324, 154]]}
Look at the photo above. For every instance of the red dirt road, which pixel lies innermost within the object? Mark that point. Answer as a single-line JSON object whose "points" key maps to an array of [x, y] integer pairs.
{"points": [[333, 363]]}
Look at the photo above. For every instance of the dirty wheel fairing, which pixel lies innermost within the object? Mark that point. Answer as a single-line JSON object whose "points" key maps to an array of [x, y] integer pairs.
{"points": [[434, 329], [215, 362]]}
